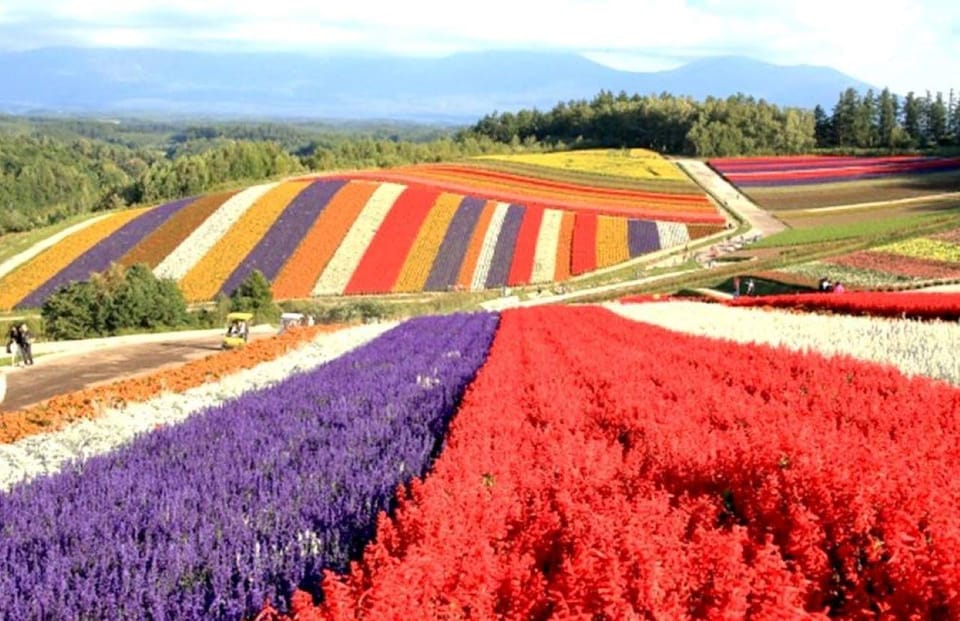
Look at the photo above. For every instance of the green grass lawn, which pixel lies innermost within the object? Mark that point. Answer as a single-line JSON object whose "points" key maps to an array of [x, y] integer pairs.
{"points": [[866, 228]]}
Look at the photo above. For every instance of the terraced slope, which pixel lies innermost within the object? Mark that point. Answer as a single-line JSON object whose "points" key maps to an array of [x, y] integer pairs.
{"points": [[435, 227]]}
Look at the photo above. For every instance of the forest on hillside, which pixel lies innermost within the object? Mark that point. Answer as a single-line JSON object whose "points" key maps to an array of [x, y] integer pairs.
{"points": [[54, 168]]}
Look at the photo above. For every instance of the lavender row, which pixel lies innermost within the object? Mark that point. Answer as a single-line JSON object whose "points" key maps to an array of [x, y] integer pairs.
{"points": [[275, 247], [506, 242], [244, 501], [642, 237], [100, 256], [446, 265]]}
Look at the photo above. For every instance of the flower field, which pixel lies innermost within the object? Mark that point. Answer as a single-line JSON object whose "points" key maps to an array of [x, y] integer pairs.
{"points": [[914, 260], [799, 182], [943, 306], [683, 460], [425, 228], [639, 164]]}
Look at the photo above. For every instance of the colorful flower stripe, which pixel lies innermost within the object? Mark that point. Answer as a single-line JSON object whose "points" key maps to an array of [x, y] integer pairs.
{"points": [[450, 256], [21, 282], [643, 236], [48, 453], [208, 276], [244, 501], [672, 234], [471, 258], [924, 248], [380, 267], [308, 261], [521, 268], [19, 259], [108, 250], [502, 257], [826, 169], [952, 237], [612, 241], [489, 247], [273, 249], [698, 231], [583, 250], [632, 163], [680, 212], [897, 265], [716, 481], [165, 238], [565, 246], [548, 187], [203, 238], [416, 267], [344, 261], [545, 255], [62, 410], [943, 306], [913, 347]]}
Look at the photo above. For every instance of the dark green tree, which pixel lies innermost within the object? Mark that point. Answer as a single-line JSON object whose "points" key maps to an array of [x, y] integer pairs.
{"points": [[887, 119], [936, 119], [912, 115], [254, 295]]}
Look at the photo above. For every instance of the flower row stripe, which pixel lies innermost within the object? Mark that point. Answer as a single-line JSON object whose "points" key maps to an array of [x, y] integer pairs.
{"points": [[208, 276], [45, 454], [672, 234], [583, 251], [344, 261], [643, 236], [502, 257], [472, 256], [416, 267], [381, 263], [565, 246], [203, 238], [916, 348], [25, 279], [274, 247], [453, 249], [545, 255], [521, 268], [489, 247], [245, 500], [897, 265], [108, 250], [612, 241], [307, 262], [19, 259], [165, 239]]}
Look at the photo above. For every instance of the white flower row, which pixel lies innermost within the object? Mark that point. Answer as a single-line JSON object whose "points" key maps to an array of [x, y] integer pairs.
{"points": [[344, 261], [914, 347], [485, 260], [48, 453], [672, 234], [204, 237], [545, 255], [19, 259]]}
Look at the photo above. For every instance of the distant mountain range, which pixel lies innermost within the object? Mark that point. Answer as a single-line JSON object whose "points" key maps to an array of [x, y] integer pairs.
{"points": [[458, 88]]}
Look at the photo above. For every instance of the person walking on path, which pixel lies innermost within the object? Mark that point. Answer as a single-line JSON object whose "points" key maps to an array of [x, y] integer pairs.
{"points": [[751, 287], [736, 286], [26, 344]]}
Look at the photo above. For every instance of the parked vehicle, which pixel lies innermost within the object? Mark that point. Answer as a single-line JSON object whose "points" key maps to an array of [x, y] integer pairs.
{"points": [[238, 330]]}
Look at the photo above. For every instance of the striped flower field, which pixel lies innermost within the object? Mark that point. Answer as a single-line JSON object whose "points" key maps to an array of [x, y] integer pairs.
{"points": [[673, 459], [426, 228]]}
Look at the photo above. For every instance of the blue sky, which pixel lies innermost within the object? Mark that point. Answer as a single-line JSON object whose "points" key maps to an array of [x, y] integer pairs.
{"points": [[903, 44]]}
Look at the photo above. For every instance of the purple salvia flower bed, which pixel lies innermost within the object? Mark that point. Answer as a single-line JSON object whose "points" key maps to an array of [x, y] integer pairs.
{"points": [[446, 265], [642, 237], [244, 501], [273, 250], [100, 256], [506, 245]]}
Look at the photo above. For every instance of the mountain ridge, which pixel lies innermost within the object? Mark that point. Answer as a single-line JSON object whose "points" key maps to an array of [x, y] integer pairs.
{"points": [[456, 88]]}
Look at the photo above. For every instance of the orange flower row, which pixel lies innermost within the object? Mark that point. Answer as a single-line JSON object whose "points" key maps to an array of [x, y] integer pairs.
{"points": [[59, 411]]}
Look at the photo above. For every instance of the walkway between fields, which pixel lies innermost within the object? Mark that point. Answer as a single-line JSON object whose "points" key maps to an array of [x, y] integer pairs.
{"points": [[760, 220]]}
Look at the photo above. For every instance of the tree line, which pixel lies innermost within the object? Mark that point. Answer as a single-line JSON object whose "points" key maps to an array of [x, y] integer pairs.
{"points": [[736, 125]]}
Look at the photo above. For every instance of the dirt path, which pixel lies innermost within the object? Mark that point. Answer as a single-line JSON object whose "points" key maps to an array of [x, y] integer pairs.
{"points": [[760, 220], [59, 374]]}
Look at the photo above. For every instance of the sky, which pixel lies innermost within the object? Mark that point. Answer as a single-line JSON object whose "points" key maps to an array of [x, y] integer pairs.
{"points": [[903, 44]]}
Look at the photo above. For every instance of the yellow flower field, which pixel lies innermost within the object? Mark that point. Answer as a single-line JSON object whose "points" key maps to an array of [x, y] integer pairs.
{"points": [[612, 246], [924, 248], [632, 163]]}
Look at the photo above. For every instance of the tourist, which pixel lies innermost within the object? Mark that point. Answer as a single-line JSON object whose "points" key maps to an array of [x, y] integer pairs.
{"points": [[751, 287], [26, 344], [838, 287], [736, 286]]}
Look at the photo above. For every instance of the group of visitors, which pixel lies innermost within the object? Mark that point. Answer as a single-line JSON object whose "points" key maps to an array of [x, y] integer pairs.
{"points": [[20, 345], [751, 287], [825, 286]]}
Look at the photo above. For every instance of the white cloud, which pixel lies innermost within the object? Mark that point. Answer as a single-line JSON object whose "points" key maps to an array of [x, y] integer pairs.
{"points": [[906, 44]]}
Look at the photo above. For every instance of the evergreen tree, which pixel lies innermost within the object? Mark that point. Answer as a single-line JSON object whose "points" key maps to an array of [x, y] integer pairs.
{"points": [[887, 119], [912, 113], [845, 118], [823, 128], [937, 120]]}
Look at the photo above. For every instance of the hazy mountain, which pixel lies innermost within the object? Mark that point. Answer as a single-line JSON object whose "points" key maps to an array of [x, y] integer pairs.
{"points": [[460, 87]]}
